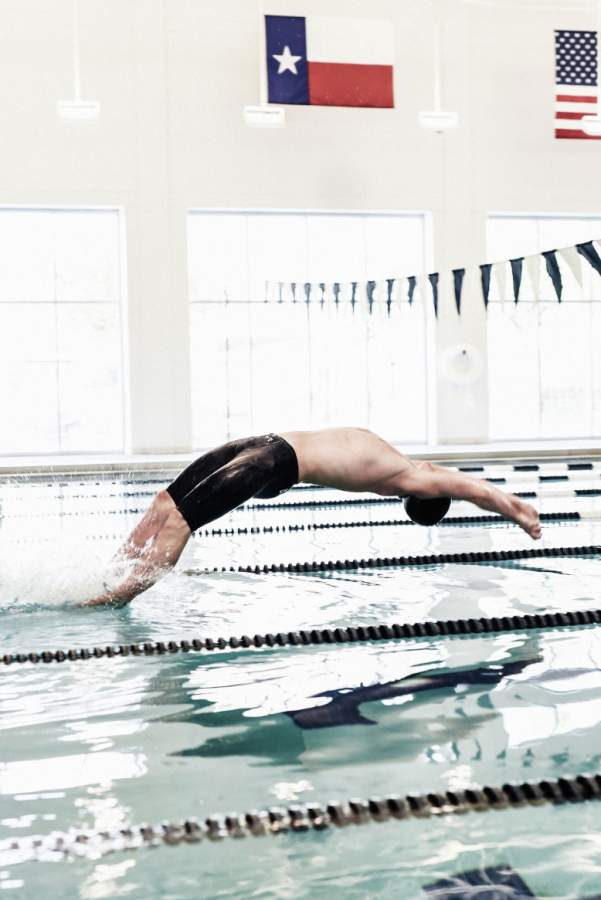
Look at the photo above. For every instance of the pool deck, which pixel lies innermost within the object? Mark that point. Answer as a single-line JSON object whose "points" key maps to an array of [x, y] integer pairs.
{"points": [[122, 462]]}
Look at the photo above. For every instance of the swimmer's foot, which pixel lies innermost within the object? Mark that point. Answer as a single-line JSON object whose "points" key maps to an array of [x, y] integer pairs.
{"points": [[106, 600], [143, 576]]}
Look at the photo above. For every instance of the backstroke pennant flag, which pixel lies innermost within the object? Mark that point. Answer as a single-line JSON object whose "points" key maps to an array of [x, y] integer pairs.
{"points": [[575, 82], [329, 62]]}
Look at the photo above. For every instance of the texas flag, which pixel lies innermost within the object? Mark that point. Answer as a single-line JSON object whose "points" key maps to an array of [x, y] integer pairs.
{"points": [[329, 62]]}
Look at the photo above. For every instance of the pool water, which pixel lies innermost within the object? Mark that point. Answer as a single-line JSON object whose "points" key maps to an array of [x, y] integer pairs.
{"points": [[107, 743]]}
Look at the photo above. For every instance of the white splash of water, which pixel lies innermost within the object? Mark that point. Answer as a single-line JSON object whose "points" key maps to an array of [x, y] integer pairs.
{"points": [[57, 573]]}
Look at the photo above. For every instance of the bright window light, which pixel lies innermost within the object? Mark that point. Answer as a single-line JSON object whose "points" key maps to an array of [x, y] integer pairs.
{"points": [[275, 367], [544, 373], [60, 327]]}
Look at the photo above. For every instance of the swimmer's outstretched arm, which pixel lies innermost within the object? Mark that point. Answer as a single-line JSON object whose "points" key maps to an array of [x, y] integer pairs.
{"points": [[153, 547], [426, 480]]}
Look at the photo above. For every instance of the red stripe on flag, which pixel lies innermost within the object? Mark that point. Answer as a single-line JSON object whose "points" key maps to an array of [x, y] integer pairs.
{"points": [[568, 133], [347, 84], [569, 98], [567, 115]]}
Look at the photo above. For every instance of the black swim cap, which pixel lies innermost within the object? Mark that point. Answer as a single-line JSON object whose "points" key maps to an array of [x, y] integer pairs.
{"points": [[427, 512]]}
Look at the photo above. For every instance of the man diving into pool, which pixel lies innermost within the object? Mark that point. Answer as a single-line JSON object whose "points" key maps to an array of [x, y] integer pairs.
{"points": [[349, 459]]}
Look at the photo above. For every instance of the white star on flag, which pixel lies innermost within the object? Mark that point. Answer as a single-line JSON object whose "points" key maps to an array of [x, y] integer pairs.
{"points": [[287, 61]]}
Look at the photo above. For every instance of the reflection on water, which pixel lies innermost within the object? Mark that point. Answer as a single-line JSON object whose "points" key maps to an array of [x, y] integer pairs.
{"points": [[344, 703], [28, 776], [106, 743]]}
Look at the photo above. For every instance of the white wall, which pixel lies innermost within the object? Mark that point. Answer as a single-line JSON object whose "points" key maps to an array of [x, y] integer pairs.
{"points": [[173, 77]]}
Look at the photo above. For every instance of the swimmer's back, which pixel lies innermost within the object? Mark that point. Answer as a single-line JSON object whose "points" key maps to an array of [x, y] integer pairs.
{"points": [[350, 459]]}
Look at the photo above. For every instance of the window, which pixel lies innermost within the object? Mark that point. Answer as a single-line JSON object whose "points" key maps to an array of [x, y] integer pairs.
{"points": [[60, 331], [263, 366], [552, 387]]}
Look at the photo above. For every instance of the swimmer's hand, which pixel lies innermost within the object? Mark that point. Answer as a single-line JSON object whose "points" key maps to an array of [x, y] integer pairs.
{"points": [[527, 518]]}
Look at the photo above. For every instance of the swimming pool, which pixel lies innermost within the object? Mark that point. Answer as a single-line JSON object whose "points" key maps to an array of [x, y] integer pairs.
{"points": [[107, 743]]}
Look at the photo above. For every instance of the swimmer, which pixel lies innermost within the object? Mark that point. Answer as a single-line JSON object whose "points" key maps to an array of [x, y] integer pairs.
{"points": [[349, 459]]}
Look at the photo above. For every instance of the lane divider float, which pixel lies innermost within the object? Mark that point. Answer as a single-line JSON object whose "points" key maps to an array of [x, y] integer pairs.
{"points": [[300, 818], [317, 503], [368, 501], [396, 562], [348, 634], [571, 516]]}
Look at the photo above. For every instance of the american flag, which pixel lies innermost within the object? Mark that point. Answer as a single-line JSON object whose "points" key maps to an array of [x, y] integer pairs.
{"points": [[575, 81]]}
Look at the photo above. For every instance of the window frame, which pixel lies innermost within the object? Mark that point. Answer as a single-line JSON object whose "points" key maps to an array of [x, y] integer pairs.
{"points": [[427, 266], [121, 303]]}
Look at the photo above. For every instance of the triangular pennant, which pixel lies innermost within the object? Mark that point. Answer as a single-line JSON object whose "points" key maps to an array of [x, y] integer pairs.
{"points": [[399, 291], [362, 298], [499, 270], [573, 259], [347, 292], [370, 288], [423, 285], [533, 269], [446, 295], [380, 295], [410, 288], [433, 279], [471, 292], [485, 270], [516, 275], [553, 272], [458, 276], [389, 290], [345, 297], [590, 254]]}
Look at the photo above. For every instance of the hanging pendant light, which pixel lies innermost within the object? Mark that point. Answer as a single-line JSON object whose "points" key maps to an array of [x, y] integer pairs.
{"points": [[77, 110], [437, 119]]}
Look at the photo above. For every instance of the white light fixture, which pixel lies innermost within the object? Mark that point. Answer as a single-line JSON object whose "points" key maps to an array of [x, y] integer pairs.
{"points": [[265, 116], [437, 119], [77, 110]]}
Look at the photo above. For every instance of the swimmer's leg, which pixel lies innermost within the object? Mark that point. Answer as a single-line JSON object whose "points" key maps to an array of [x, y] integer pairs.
{"points": [[204, 466], [146, 532], [249, 473], [147, 528], [160, 554]]}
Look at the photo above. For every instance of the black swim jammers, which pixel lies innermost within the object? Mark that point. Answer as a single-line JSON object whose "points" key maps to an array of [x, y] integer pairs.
{"points": [[222, 479]]}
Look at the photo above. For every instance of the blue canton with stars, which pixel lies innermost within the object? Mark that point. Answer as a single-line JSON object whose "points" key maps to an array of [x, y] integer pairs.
{"points": [[287, 72], [576, 57]]}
